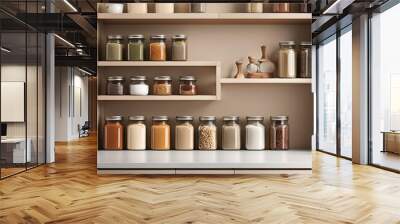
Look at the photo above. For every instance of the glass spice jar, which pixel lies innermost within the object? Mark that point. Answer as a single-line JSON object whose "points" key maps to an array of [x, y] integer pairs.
{"points": [[184, 133], [207, 133], [136, 47], [136, 133], [279, 133], [187, 85], [305, 60], [113, 133], [138, 86], [115, 85], [114, 48], [287, 59], [158, 48], [160, 133], [179, 48], [162, 85], [231, 133], [255, 133]]}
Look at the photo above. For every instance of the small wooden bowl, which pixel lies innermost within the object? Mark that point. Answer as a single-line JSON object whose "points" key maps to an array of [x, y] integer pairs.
{"points": [[259, 75]]}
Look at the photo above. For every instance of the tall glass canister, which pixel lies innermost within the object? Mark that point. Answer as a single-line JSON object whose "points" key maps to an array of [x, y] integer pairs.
{"points": [[207, 133], [255, 133], [279, 133], [231, 133], [136, 133], [184, 133], [114, 48], [160, 133], [287, 59]]}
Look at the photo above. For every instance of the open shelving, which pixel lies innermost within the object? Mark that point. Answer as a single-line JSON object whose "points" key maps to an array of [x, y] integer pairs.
{"points": [[157, 63], [214, 18], [155, 98], [266, 81], [215, 40]]}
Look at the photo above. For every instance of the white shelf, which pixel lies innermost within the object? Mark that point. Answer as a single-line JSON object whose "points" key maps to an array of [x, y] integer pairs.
{"points": [[192, 161], [185, 18], [155, 97], [157, 63], [266, 81]]}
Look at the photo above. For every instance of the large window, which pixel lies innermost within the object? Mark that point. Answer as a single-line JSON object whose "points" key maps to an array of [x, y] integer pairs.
{"points": [[385, 89], [346, 92], [327, 96], [335, 94]]}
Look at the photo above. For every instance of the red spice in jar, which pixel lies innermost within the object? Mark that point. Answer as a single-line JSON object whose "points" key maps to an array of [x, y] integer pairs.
{"points": [[187, 85]]}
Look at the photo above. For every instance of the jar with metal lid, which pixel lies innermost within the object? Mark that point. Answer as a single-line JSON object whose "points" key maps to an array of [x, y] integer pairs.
{"points": [[287, 59], [305, 60], [207, 133], [114, 48], [198, 7], [162, 85], [115, 85], [136, 133], [184, 133], [158, 48], [138, 86], [179, 48], [113, 133], [279, 133], [231, 133], [187, 85], [160, 133], [255, 133], [136, 47]]}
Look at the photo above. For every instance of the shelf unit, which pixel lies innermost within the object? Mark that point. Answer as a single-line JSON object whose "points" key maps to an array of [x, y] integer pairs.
{"points": [[214, 44], [266, 81], [213, 18]]}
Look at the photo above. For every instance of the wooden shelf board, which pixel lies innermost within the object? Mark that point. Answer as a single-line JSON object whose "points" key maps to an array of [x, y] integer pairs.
{"points": [[157, 63], [266, 81], [206, 18], [154, 98]]}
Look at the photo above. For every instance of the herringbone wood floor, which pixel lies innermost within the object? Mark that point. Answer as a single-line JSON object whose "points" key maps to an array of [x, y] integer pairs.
{"points": [[70, 191]]}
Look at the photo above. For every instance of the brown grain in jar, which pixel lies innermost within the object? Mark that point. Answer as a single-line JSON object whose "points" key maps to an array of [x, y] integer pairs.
{"points": [[162, 85], [158, 48], [187, 85], [279, 133], [113, 133]]}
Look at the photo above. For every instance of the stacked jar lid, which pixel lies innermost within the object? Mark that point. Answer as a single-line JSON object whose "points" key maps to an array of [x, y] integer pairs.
{"points": [[206, 132]]}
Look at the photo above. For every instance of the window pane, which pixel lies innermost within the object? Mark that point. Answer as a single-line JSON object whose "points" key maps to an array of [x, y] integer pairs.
{"points": [[385, 87], [327, 96], [346, 94]]}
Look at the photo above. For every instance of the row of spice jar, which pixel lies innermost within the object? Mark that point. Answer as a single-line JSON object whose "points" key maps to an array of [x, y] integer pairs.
{"points": [[142, 8], [136, 48], [162, 85], [185, 133]]}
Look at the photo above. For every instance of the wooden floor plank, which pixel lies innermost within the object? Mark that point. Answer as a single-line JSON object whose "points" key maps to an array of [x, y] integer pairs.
{"points": [[70, 191]]}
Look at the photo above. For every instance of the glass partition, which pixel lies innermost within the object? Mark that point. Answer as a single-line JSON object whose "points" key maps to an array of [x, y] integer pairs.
{"points": [[22, 77], [346, 94], [385, 89], [326, 97]]}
